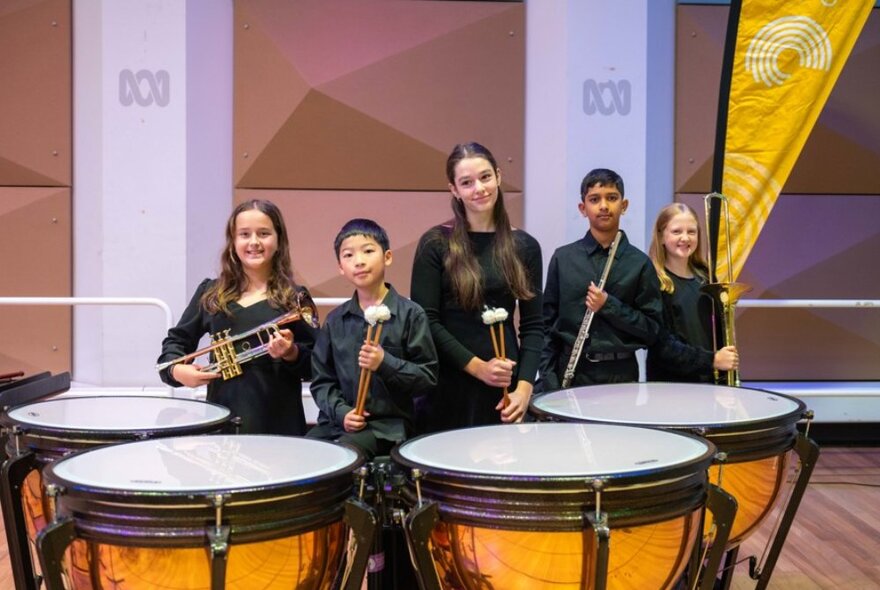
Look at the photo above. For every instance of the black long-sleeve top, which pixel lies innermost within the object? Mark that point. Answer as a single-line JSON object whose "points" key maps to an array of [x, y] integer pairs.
{"points": [[630, 318], [460, 334], [409, 368], [683, 352], [267, 396]]}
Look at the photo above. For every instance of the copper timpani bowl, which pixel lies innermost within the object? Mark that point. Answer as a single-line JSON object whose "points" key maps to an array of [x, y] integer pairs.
{"points": [[754, 429], [513, 501], [264, 511]]}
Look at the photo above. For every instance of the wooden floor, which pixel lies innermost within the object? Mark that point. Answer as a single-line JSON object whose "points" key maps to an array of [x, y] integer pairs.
{"points": [[834, 543]]}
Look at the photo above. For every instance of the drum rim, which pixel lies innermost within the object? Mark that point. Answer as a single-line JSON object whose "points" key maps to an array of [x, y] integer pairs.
{"points": [[116, 494], [707, 428], [30, 429], [559, 483]]}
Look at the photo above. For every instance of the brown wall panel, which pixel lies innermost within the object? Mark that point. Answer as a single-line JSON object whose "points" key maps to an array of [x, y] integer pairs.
{"points": [[35, 93], [35, 237], [341, 94]]}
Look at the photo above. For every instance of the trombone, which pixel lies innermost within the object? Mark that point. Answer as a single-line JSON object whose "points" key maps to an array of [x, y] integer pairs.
{"points": [[226, 360], [725, 295]]}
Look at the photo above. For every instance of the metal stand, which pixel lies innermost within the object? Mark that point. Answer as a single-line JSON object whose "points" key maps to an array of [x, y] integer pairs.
{"points": [[603, 534], [417, 526], [808, 452], [12, 475], [723, 508], [362, 521], [52, 542]]}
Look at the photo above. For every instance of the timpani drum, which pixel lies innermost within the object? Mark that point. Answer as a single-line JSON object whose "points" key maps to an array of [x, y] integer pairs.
{"points": [[754, 431], [224, 511], [532, 506], [45, 431]]}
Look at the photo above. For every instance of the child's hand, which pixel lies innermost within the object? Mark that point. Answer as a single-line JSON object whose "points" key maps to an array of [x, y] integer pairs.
{"points": [[371, 356], [353, 422], [496, 372], [519, 403], [192, 375], [596, 297], [281, 345], [726, 359]]}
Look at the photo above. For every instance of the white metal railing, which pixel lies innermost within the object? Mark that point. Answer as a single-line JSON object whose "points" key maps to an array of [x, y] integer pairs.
{"points": [[151, 301], [806, 303]]}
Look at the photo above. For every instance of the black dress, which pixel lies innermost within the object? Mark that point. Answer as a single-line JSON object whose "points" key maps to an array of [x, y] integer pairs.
{"points": [[267, 396], [683, 352], [460, 399]]}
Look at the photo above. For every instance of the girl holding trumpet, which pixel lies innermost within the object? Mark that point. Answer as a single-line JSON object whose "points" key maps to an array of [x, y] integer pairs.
{"points": [[254, 288], [479, 263]]}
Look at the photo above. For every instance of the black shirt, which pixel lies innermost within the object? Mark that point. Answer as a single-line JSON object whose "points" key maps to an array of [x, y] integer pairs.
{"points": [[630, 318], [683, 352], [267, 396], [409, 368]]}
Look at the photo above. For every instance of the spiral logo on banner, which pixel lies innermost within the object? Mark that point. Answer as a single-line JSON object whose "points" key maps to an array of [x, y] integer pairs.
{"points": [[145, 88], [800, 34]]}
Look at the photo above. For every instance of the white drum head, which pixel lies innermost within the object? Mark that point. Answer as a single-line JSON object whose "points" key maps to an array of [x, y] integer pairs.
{"points": [[205, 463], [553, 450], [118, 414], [665, 404]]}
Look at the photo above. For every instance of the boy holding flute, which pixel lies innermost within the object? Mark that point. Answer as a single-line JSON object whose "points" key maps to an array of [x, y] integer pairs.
{"points": [[627, 312]]}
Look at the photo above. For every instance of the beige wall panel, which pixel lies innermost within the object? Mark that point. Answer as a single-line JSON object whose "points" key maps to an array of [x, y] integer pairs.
{"points": [[384, 107], [35, 104], [313, 219], [35, 238]]}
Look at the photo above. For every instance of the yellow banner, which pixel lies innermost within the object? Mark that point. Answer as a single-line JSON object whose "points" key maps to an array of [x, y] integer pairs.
{"points": [[788, 57]]}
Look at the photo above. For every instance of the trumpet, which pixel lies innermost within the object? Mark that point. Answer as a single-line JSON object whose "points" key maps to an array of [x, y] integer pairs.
{"points": [[227, 361], [725, 295]]}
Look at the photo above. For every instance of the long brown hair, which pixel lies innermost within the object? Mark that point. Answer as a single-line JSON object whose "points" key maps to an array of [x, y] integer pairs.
{"points": [[657, 251], [460, 263], [281, 288]]}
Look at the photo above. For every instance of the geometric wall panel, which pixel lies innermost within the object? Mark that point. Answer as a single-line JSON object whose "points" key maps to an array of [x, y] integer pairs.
{"points": [[35, 258], [812, 247], [350, 95], [35, 91], [842, 153]]}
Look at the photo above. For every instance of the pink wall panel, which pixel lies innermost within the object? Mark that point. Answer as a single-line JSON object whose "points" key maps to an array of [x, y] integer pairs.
{"points": [[35, 236], [35, 106], [35, 176]]}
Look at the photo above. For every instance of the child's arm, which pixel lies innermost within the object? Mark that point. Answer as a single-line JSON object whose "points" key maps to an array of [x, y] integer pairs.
{"points": [[183, 339], [416, 372], [644, 318], [326, 389], [550, 352]]}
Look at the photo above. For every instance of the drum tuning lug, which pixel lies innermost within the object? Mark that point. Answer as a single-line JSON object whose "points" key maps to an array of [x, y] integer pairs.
{"points": [[597, 485], [721, 457], [53, 491], [218, 500], [417, 477]]}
